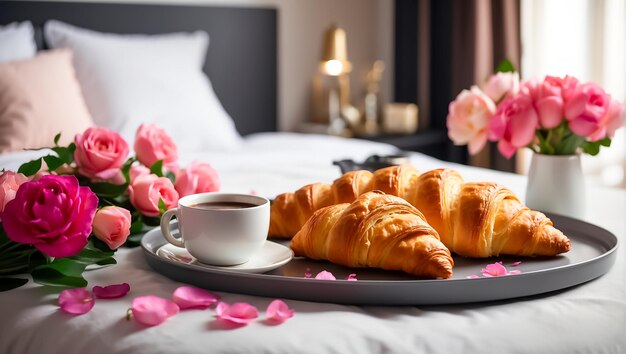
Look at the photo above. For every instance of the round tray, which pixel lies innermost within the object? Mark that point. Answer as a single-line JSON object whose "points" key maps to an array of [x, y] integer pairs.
{"points": [[592, 254]]}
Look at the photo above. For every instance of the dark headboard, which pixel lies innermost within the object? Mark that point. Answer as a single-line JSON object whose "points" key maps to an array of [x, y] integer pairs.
{"points": [[242, 56]]}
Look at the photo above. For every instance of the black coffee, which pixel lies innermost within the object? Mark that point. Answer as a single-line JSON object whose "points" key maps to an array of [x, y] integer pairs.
{"points": [[222, 205]]}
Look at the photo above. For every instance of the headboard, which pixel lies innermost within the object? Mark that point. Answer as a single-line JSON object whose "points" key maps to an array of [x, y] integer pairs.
{"points": [[242, 55]]}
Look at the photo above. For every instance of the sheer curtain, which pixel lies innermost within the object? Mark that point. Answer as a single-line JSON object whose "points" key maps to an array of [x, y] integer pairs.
{"points": [[586, 39]]}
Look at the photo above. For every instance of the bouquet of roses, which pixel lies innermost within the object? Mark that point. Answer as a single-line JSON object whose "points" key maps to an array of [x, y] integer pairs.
{"points": [[75, 206], [553, 116]]}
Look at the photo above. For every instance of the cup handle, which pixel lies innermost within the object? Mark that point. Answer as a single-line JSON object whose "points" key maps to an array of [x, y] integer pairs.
{"points": [[165, 228]]}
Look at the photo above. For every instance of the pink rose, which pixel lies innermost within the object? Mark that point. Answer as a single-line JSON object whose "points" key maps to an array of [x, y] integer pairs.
{"points": [[54, 214], [10, 182], [613, 120], [100, 153], [514, 124], [138, 170], [146, 190], [198, 177], [468, 118], [568, 85], [500, 85], [586, 108], [153, 144], [111, 225], [547, 100]]}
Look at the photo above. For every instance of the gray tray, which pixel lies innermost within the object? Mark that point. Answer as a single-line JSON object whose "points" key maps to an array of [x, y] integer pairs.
{"points": [[592, 254]]}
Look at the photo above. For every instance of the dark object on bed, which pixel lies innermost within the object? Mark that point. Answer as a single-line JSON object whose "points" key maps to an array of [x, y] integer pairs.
{"points": [[372, 163], [242, 56]]}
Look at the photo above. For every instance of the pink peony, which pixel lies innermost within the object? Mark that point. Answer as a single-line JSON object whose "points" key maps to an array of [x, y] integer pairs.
{"points": [[197, 178], [547, 101], [54, 214], [146, 190], [468, 119], [10, 182], [153, 144], [586, 108], [111, 225], [514, 124], [100, 153], [501, 85], [612, 120]]}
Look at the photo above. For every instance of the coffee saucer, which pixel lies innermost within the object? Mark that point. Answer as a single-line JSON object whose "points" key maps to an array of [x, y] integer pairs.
{"points": [[271, 256]]}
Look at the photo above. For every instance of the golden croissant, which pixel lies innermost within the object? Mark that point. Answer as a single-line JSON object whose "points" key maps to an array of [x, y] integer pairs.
{"points": [[479, 219], [376, 230]]}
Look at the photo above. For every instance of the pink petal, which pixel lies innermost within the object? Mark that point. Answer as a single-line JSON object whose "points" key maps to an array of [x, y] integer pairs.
{"points": [[473, 276], [515, 264], [240, 313], [76, 301], [324, 275], [351, 277], [112, 291], [494, 270], [278, 311], [153, 310], [307, 273], [188, 297], [514, 272]]}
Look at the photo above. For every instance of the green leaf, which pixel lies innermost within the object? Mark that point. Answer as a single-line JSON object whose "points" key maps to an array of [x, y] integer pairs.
{"points": [[137, 225], [56, 139], [65, 153], [505, 66], [52, 277], [605, 142], [107, 261], [162, 206], [108, 190], [65, 266], [591, 148], [171, 176], [157, 168], [134, 240], [53, 162], [7, 284], [30, 168], [570, 144], [99, 245], [151, 221]]}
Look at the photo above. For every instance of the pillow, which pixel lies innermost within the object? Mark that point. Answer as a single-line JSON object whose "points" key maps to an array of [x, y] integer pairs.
{"points": [[17, 41], [132, 79], [40, 98]]}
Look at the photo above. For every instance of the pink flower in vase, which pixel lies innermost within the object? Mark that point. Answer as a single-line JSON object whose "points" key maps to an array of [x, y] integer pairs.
{"points": [[586, 108], [153, 144], [100, 153], [468, 119], [501, 84], [54, 214], [613, 120], [547, 101], [514, 124]]}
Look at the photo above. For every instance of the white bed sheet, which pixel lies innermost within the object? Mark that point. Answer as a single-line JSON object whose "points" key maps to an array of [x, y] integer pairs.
{"points": [[589, 318]]}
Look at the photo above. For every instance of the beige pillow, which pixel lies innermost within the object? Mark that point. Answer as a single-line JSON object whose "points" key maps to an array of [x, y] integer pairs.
{"points": [[39, 98]]}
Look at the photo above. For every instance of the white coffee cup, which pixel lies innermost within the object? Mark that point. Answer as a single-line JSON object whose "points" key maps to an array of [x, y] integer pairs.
{"points": [[221, 229]]}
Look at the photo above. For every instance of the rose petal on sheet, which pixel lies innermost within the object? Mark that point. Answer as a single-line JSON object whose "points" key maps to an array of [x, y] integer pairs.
{"points": [[189, 297], [325, 275], [239, 313], [153, 310], [76, 301], [514, 272], [494, 270], [111, 291], [278, 311]]}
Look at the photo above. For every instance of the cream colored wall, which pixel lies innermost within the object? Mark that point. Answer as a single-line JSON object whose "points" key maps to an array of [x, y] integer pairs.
{"points": [[301, 24]]}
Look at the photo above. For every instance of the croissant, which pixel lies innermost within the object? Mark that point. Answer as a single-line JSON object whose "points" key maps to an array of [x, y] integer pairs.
{"points": [[376, 230], [478, 219]]}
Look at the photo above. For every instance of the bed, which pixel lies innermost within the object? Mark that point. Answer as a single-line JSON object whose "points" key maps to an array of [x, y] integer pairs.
{"points": [[586, 318]]}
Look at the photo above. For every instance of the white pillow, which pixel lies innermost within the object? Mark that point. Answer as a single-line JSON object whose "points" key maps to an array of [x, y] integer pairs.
{"points": [[17, 41], [132, 79]]}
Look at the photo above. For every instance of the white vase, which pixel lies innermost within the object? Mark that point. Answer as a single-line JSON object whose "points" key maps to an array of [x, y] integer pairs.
{"points": [[556, 184]]}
